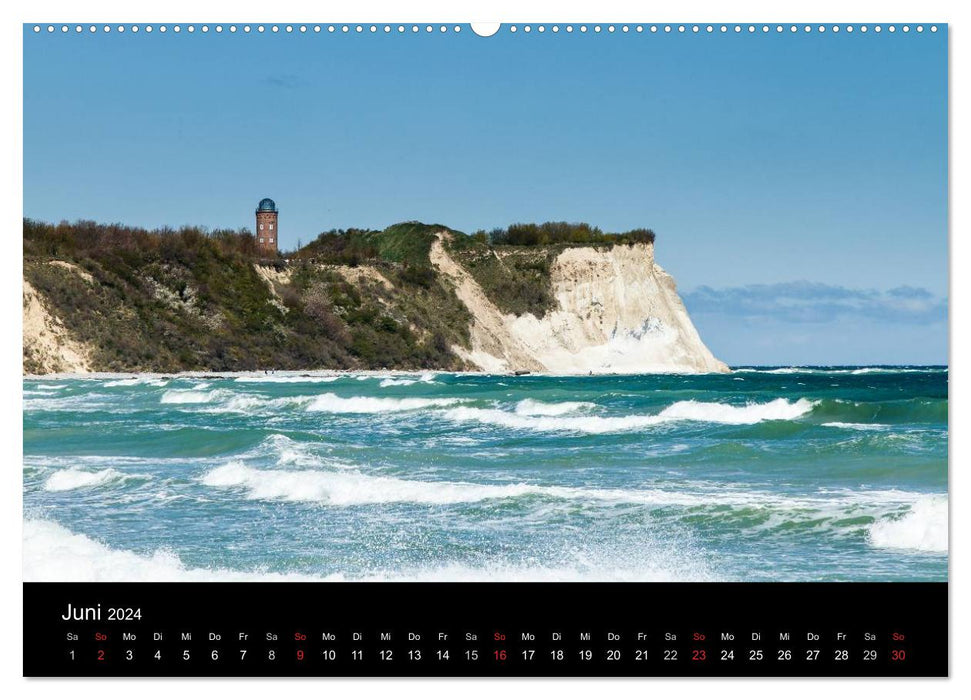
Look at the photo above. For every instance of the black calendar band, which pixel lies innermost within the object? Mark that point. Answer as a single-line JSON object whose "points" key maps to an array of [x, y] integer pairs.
{"points": [[485, 629]]}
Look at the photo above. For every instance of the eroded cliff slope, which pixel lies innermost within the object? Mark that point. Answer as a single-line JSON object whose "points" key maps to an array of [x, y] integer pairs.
{"points": [[615, 311], [413, 296]]}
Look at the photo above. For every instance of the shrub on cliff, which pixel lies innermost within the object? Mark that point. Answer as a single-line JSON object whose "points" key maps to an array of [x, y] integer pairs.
{"points": [[562, 232]]}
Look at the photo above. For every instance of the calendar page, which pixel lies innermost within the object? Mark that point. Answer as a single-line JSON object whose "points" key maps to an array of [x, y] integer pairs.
{"points": [[546, 349]]}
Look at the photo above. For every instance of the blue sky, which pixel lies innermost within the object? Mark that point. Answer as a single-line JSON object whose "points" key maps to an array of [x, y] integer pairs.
{"points": [[795, 181]]}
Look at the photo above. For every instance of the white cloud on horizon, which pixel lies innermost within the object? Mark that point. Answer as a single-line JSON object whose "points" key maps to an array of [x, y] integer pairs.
{"points": [[816, 302]]}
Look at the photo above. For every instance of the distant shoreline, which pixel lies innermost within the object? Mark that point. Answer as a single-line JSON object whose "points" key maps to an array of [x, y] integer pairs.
{"points": [[474, 373]]}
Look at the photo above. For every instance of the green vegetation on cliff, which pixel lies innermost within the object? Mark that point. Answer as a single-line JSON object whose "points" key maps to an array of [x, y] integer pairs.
{"points": [[513, 264], [406, 243], [190, 299], [553, 232]]}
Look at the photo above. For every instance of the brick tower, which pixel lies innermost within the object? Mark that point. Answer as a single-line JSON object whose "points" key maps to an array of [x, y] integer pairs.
{"points": [[266, 228]]}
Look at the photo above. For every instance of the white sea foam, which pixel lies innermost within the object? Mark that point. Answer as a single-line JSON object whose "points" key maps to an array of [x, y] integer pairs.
{"points": [[352, 488], [70, 479], [251, 404], [54, 553], [241, 403], [191, 396], [226, 401], [856, 426], [332, 403], [288, 379], [594, 425], [406, 380], [710, 412], [85, 403], [346, 487], [555, 420], [923, 527], [649, 561], [529, 407], [391, 381], [135, 381], [286, 452], [843, 370]]}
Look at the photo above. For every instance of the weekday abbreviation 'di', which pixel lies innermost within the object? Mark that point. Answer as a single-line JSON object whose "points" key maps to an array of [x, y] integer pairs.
{"points": [[266, 227]]}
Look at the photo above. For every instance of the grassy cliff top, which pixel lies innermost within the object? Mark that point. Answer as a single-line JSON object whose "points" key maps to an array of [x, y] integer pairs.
{"points": [[562, 233], [213, 270], [406, 243], [409, 242], [190, 299]]}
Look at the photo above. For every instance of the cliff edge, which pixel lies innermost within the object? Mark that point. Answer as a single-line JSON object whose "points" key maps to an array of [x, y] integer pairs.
{"points": [[616, 311], [107, 298]]}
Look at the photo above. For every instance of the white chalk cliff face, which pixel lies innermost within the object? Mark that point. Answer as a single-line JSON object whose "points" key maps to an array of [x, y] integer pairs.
{"points": [[618, 312], [46, 339]]}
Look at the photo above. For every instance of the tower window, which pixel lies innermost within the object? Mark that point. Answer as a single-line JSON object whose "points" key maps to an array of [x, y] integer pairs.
{"points": [[271, 240], [271, 227], [261, 227], [261, 240]]}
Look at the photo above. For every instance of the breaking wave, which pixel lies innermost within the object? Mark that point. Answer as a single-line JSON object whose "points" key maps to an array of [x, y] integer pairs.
{"points": [[390, 381], [249, 404], [407, 476], [424, 378], [136, 381], [551, 417], [923, 527], [353, 488], [289, 379], [226, 401], [70, 479], [581, 424], [348, 488], [54, 553], [856, 426], [332, 403], [192, 396], [779, 409], [529, 407]]}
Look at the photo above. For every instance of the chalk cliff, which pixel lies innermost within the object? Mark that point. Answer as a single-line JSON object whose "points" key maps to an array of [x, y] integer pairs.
{"points": [[617, 311], [48, 346], [101, 298]]}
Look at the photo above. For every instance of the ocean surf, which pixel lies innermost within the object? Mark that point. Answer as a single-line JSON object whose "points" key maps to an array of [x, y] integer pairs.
{"points": [[762, 474]]}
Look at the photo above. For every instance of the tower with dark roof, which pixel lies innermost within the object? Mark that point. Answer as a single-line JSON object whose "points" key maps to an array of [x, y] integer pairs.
{"points": [[266, 228]]}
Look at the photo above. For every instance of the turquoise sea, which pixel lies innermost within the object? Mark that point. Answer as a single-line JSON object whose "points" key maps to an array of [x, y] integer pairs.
{"points": [[829, 473]]}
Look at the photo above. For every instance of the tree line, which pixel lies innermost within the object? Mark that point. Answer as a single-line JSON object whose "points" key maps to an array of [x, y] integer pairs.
{"points": [[89, 239], [552, 232]]}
